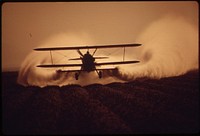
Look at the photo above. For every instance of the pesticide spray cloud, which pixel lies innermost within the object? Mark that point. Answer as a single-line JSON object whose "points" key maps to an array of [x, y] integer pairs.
{"points": [[170, 48]]}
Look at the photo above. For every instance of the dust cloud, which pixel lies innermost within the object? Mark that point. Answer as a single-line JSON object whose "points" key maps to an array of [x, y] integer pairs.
{"points": [[169, 48]]}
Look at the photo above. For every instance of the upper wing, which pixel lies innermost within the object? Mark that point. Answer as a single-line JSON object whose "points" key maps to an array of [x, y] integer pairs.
{"points": [[87, 47], [60, 65], [116, 63]]}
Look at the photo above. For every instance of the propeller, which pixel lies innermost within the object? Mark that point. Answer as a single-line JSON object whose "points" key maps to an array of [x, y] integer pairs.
{"points": [[79, 52], [94, 52]]}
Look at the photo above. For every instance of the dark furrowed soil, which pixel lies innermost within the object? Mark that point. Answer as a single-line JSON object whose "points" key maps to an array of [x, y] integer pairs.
{"points": [[146, 106]]}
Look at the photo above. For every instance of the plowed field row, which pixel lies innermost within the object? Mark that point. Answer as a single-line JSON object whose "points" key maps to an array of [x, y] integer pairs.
{"points": [[168, 105]]}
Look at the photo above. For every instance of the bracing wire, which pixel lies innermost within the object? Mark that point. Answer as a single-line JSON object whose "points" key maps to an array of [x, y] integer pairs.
{"points": [[65, 56]]}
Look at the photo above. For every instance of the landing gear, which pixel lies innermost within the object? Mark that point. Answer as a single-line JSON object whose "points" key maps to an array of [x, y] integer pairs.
{"points": [[100, 74], [76, 76], [59, 71]]}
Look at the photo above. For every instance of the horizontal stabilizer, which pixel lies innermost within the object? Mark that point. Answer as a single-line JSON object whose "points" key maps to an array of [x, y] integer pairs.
{"points": [[75, 59], [101, 57], [94, 57], [88, 47], [116, 63]]}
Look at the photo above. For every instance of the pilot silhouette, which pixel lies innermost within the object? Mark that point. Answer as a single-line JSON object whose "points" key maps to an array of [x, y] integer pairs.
{"points": [[88, 61]]}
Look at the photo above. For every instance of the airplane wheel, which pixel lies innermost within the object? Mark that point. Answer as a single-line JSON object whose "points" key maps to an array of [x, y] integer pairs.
{"points": [[59, 71], [76, 76], [100, 74]]}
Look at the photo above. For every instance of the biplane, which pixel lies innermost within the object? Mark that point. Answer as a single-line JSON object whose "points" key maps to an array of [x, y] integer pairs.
{"points": [[87, 59]]}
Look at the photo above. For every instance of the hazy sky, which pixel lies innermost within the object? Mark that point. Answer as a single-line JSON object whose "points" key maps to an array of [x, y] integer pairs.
{"points": [[28, 25]]}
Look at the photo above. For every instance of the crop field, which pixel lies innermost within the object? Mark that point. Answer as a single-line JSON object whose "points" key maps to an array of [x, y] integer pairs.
{"points": [[143, 106]]}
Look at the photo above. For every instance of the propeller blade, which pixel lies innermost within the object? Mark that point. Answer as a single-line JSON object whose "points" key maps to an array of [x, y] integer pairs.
{"points": [[94, 52], [79, 52]]}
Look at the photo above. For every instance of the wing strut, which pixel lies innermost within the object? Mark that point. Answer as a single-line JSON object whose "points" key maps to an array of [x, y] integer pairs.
{"points": [[51, 57], [124, 54]]}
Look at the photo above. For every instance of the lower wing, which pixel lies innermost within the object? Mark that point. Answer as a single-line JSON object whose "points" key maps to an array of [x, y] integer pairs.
{"points": [[60, 65], [59, 71], [97, 64]]}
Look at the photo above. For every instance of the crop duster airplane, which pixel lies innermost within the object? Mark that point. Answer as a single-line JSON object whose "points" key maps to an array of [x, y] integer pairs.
{"points": [[88, 60]]}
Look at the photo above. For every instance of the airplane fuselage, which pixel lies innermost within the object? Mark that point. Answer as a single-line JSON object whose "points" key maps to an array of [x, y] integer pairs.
{"points": [[88, 62]]}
